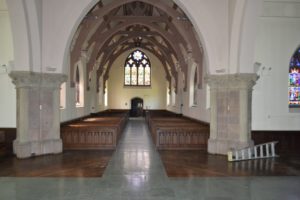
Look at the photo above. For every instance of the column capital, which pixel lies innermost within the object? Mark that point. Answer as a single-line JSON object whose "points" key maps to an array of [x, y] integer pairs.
{"points": [[34, 79], [232, 81]]}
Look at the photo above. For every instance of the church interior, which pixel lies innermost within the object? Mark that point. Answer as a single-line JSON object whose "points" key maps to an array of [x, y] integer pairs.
{"points": [[150, 99]]}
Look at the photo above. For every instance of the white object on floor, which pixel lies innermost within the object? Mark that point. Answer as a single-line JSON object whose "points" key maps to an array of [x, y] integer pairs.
{"points": [[265, 150]]}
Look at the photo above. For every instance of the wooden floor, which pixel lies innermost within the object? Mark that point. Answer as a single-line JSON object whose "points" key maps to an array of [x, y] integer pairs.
{"points": [[201, 164], [177, 164], [69, 164]]}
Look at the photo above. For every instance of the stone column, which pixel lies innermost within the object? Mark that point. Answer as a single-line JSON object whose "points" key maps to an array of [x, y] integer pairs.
{"points": [[230, 101], [38, 114]]}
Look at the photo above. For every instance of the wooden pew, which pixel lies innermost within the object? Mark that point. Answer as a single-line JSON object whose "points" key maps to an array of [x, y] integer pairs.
{"points": [[99, 131], [182, 138], [174, 132], [89, 137]]}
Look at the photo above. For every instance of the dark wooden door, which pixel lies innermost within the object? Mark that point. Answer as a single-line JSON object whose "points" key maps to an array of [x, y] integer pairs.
{"points": [[136, 107]]}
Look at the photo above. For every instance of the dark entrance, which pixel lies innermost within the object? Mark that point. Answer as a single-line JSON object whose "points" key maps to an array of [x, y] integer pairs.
{"points": [[136, 107]]}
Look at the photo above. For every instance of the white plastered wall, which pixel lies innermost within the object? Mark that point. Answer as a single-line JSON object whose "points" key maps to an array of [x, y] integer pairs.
{"points": [[210, 19], [91, 100], [7, 89], [200, 111], [277, 40], [60, 21], [119, 96]]}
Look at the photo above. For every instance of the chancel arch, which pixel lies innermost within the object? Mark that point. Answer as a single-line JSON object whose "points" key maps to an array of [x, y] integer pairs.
{"points": [[119, 21]]}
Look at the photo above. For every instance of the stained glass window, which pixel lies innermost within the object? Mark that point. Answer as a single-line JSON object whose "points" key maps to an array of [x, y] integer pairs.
{"points": [[133, 75], [137, 70], [147, 75], [127, 75], [141, 75], [294, 80]]}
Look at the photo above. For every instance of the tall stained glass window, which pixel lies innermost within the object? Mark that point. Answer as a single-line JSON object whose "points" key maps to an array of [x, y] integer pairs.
{"points": [[137, 69], [294, 80]]}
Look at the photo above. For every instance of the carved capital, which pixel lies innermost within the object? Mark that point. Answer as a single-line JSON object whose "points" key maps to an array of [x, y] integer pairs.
{"points": [[232, 81], [33, 79]]}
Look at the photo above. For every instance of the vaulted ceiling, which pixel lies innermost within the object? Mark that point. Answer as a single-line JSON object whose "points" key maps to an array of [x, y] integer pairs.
{"points": [[160, 27]]}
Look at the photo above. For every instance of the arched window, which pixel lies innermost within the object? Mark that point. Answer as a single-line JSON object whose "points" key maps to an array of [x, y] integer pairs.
{"points": [[77, 86], [106, 94], [168, 93], [195, 89], [63, 96], [100, 91], [173, 93], [294, 80], [137, 69], [79, 93]]}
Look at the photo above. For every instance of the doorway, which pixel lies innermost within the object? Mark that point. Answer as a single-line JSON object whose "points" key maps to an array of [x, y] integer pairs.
{"points": [[137, 105]]}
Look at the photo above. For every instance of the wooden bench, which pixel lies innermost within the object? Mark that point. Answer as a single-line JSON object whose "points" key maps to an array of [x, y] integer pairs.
{"points": [[175, 132], [100, 131], [89, 137], [182, 138]]}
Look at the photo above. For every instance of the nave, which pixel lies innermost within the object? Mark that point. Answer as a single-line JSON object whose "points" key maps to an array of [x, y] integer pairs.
{"points": [[136, 172]]}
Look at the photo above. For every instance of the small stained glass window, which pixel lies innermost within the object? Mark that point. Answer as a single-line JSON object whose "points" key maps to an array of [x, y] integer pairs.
{"points": [[294, 80], [137, 70]]}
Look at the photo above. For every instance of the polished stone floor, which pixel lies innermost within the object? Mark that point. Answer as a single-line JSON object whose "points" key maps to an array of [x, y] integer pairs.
{"points": [[136, 172]]}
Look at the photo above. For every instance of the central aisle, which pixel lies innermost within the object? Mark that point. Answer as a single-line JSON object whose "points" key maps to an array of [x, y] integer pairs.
{"points": [[136, 166]]}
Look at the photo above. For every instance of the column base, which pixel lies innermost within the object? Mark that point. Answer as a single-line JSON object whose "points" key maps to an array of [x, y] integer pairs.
{"points": [[35, 148], [219, 146]]}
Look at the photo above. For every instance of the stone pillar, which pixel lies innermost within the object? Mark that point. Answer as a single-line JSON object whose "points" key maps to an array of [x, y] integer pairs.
{"points": [[38, 114], [230, 121]]}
